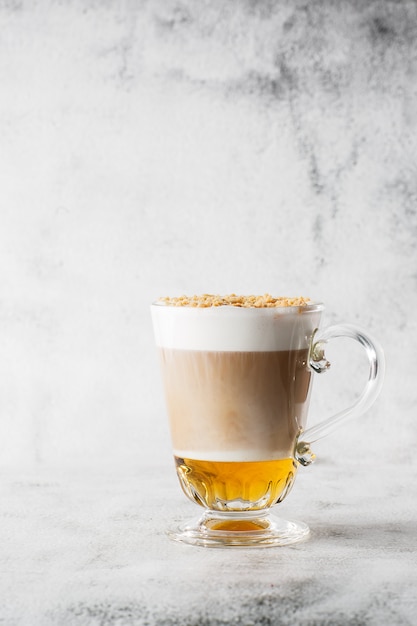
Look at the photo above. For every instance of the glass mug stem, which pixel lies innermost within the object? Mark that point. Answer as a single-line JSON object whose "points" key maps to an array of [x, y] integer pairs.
{"points": [[319, 364]]}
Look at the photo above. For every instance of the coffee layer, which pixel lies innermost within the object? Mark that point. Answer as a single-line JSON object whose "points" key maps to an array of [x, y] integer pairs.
{"points": [[235, 406]]}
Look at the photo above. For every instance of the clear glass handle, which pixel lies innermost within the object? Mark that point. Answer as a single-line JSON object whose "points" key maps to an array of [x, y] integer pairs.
{"points": [[318, 363]]}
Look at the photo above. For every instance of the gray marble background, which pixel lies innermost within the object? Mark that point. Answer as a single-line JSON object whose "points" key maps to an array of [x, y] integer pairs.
{"points": [[164, 147], [155, 148]]}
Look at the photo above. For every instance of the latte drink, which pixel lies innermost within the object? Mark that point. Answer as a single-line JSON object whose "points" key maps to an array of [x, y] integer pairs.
{"points": [[237, 389]]}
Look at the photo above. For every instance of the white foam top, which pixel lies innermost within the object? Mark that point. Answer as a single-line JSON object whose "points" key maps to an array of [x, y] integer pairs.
{"points": [[234, 329]]}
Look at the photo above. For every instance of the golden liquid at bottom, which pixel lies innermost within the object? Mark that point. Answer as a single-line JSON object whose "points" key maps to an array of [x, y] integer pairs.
{"points": [[236, 485]]}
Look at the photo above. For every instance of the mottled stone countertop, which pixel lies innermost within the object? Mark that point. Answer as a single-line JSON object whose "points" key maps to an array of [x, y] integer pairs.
{"points": [[89, 548], [159, 148]]}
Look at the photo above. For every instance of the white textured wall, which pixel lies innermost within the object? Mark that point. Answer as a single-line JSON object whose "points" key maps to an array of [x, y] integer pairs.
{"points": [[161, 147]]}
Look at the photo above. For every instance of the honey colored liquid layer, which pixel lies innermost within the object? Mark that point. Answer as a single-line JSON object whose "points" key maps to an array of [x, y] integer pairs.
{"points": [[235, 485]]}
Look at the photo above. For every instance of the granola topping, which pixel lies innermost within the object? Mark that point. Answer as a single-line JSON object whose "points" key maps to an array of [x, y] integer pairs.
{"points": [[258, 302]]}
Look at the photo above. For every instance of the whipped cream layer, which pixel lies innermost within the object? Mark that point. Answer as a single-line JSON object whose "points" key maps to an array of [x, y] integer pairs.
{"points": [[230, 329]]}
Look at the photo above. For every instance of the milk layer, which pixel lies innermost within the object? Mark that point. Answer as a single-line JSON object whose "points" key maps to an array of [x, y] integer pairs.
{"points": [[245, 455]]}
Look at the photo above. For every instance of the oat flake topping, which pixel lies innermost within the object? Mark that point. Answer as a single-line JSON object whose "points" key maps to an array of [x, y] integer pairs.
{"points": [[208, 300]]}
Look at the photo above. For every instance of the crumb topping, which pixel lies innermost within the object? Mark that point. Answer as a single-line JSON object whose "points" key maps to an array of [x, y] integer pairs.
{"points": [[208, 300]]}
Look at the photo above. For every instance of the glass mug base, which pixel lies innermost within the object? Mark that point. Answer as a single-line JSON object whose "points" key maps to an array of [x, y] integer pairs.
{"points": [[251, 529]]}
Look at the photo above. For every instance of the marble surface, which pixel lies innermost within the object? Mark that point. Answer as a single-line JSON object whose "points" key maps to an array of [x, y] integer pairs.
{"points": [[90, 549], [180, 147], [167, 147]]}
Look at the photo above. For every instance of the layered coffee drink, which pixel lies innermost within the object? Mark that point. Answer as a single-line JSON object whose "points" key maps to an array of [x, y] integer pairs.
{"points": [[237, 386]]}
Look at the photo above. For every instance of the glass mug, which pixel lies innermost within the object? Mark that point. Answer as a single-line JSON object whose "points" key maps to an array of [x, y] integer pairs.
{"points": [[237, 384]]}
